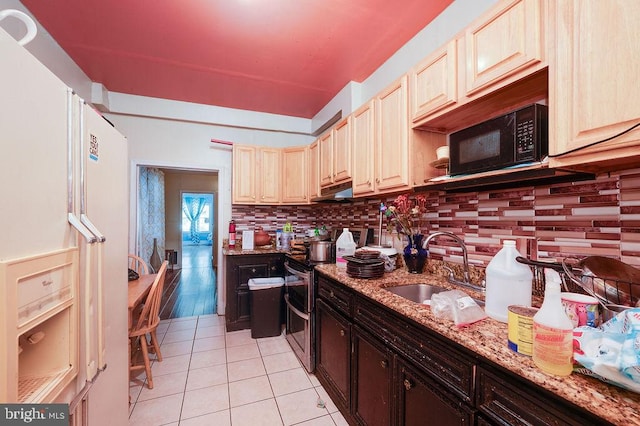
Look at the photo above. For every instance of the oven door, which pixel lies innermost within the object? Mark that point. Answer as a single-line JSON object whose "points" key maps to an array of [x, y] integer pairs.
{"points": [[299, 319]]}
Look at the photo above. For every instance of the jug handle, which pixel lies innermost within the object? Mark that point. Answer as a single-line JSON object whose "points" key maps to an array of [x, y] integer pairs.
{"points": [[32, 30]]}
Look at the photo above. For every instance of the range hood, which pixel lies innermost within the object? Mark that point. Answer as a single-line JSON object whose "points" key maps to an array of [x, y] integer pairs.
{"points": [[341, 193]]}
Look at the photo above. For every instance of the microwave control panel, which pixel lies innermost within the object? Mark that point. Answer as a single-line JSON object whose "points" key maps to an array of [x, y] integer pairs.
{"points": [[531, 125]]}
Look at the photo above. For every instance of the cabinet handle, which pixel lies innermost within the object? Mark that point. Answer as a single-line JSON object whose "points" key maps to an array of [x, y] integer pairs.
{"points": [[331, 294], [273, 268], [377, 180], [407, 384], [253, 270], [384, 363], [342, 333]]}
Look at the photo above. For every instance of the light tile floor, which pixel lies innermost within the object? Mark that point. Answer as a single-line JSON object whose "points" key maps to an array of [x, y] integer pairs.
{"points": [[210, 377]]}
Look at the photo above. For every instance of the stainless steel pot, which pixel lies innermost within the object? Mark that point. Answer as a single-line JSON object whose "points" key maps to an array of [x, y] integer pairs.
{"points": [[322, 251]]}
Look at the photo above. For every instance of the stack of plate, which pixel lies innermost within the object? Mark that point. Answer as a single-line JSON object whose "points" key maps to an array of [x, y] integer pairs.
{"points": [[368, 267], [364, 253]]}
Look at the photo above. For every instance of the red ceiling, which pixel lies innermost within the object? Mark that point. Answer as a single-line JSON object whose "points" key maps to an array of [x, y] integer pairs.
{"points": [[286, 57]]}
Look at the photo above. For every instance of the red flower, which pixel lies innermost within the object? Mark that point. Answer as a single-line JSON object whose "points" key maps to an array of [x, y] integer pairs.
{"points": [[404, 215]]}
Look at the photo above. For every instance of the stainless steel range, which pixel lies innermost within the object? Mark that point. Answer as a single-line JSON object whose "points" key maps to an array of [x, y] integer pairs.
{"points": [[300, 310]]}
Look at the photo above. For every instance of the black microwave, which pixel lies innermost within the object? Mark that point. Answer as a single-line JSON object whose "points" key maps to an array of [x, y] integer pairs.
{"points": [[518, 137]]}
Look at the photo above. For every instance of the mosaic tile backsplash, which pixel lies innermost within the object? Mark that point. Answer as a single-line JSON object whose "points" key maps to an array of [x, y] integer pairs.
{"points": [[575, 219]]}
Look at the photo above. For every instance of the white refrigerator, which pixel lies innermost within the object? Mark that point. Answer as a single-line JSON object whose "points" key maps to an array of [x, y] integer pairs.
{"points": [[63, 249]]}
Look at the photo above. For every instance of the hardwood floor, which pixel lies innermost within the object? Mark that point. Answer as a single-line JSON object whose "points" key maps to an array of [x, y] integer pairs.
{"points": [[190, 291]]}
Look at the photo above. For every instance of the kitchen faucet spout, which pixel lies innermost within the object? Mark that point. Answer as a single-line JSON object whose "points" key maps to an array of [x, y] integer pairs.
{"points": [[466, 281]]}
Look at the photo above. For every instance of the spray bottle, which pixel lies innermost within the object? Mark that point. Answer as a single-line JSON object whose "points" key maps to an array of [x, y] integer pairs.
{"points": [[552, 331]]}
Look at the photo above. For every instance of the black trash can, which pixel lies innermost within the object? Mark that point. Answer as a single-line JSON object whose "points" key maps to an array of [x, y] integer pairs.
{"points": [[265, 296]]}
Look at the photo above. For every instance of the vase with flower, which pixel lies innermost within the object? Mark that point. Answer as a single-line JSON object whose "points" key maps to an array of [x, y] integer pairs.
{"points": [[406, 218]]}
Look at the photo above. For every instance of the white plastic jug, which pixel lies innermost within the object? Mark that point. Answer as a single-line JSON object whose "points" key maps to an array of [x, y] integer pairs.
{"points": [[345, 246], [508, 282]]}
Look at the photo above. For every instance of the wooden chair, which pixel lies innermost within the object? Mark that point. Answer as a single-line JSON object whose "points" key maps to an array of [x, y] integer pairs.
{"points": [[147, 324], [137, 264]]}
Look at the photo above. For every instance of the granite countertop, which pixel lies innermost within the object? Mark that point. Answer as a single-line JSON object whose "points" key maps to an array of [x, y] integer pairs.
{"points": [[271, 249], [488, 338]]}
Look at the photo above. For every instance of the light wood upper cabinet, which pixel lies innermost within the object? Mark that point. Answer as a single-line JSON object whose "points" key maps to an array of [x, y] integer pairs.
{"points": [[496, 65], [269, 168], [256, 175], [314, 170], [295, 187], [434, 83], [326, 159], [509, 40], [392, 137], [335, 154], [244, 174], [593, 83], [363, 141], [342, 150]]}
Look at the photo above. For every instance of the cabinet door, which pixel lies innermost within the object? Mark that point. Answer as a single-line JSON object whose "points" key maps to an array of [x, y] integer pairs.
{"points": [[363, 142], [392, 138], [510, 40], [593, 89], [422, 402], [269, 170], [342, 151], [294, 175], [245, 273], [244, 174], [326, 159], [314, 170], [333, 353], [372, 375], [238, 271], [434, 84]]}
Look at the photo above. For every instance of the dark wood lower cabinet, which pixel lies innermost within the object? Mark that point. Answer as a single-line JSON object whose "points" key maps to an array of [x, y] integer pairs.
{"points": [[381, 368], [422, 402], [372, 377], [239, 270], [505, 400], [333, 353]]}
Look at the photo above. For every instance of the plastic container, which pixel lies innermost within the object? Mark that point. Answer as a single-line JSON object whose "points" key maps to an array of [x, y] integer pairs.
{"points": [[553, 331], [265, 297], [508, 282], [345, 246]]}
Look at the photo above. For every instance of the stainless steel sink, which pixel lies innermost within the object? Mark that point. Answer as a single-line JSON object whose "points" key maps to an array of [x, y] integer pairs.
{"points": [[416, 292], [420, 293]]}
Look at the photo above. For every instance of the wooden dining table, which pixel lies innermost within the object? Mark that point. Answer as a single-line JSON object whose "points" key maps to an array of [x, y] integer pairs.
{"points": [[138, 291]]}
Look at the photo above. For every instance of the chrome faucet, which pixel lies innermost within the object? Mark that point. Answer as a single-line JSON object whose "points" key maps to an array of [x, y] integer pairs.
{"points": [[466, 281]]}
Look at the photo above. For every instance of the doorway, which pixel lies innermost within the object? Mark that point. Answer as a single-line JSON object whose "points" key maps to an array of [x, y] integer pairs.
{"points": [[191, 216]]}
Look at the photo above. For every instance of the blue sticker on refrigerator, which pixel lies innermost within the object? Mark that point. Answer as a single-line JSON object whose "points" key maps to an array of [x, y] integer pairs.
{"points": [[93, 147]]}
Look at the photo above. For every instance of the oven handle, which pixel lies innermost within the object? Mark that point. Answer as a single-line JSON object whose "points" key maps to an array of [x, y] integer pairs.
{"points": [[302, 275], [294, 309]]}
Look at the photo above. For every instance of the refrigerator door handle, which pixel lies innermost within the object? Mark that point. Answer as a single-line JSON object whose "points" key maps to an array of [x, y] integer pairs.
{"points": [[94, 230], [73, 221], [71, 217]]}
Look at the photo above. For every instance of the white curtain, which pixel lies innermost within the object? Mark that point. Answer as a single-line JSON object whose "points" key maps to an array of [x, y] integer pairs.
{"points": [[152, 211]]}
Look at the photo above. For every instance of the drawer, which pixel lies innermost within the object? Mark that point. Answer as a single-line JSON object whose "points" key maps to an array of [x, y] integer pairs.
{"points": [[336, 295], [507, 401]]}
